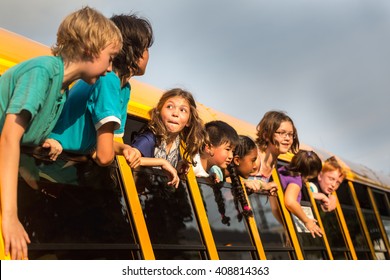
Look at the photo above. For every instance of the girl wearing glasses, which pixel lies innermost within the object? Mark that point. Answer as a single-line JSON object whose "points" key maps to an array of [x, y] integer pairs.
{"points": [[276, 134]]}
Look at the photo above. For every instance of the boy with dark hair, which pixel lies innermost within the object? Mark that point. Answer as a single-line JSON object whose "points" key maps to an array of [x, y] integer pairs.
{"points": [[218, 149]]}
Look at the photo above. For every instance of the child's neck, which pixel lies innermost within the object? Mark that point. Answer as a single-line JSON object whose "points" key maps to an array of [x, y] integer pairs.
{"points": [[169, 142], [205, 163]]}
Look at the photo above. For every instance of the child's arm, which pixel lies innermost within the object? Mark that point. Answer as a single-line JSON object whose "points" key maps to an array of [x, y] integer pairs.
{"points": [[104, 154], [146, 161], [320, 196], [325, 202], [14, 235], [132, 155], [260, 186], [290, 200], [330, 203]]}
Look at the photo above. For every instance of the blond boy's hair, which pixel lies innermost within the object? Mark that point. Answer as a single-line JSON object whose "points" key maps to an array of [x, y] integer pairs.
{"points": [[83, 34]]}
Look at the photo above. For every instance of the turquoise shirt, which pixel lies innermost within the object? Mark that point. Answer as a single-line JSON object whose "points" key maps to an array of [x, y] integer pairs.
{"points": [[87, 108], [124, 100], [35, 86]]}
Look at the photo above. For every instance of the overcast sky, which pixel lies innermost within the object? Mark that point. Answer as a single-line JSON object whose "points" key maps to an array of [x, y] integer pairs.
{"points": [[326, 63]]}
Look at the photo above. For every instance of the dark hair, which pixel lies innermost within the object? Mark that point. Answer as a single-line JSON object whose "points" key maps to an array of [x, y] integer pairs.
{"points": [[219, 132], [238, 193], [305, 164], [219, 199], [137, 34], [245, 145], [267, 127]]}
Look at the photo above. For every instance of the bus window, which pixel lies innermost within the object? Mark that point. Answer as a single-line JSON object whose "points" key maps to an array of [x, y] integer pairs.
{"points": [[382, 203], [273, 234], [313, 248], [133, 125], [229, 228], [334, 234], [371, 222], [169, 216], [352, 220], [74, 210]]}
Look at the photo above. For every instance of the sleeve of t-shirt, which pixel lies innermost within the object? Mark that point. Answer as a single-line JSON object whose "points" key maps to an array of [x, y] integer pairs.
{"points": [[293, 180], [285, 180], [145, 143], [104, 102], [125, 97], [30, 92]]}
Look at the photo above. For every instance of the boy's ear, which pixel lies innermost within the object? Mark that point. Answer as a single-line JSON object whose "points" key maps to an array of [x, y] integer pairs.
{"points": [[209, 150]]}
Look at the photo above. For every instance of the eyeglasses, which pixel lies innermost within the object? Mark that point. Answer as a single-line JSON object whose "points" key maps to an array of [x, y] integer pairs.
{"points": [[285, 134]]}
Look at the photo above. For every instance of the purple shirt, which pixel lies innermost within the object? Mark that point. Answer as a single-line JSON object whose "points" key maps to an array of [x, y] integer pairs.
{"points": [[285, 180]]}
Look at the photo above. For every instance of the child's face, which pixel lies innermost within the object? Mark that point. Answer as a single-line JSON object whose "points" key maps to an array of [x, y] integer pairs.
{"points": [[92, 70], [284, 135], [329, 181], [175, 114], [222, 155], [247, 164], [142, 63]]}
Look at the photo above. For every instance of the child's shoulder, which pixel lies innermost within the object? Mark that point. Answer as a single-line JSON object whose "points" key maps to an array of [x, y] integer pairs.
{"points": [[52, 64], [43, 60]]}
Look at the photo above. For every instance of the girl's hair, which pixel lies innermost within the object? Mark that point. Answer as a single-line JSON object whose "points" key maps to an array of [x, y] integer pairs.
{"points": [[245, 145], [137, 34], [331, 164], [192, 135], [267, 127], [83, 34], [238, 193], [219, 199], [306, 164]]}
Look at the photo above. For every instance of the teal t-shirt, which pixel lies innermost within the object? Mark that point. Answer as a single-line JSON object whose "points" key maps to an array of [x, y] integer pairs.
{"points": [[124, 100], [87, 108], [35, 86]]}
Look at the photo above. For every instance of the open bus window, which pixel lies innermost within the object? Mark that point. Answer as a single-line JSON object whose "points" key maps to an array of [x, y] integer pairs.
{"points": [[228, 226], [314, 248], [74, 210], [352, 220], [169, 216], [334, 234], [383, 206], [272, 230], [371, 221]]}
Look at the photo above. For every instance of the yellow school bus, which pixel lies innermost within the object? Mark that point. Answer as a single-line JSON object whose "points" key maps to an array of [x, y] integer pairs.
{"points": [[76, 210]]}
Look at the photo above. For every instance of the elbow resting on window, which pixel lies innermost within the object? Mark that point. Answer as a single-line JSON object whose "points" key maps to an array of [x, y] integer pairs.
{"points": [[103, 159]]}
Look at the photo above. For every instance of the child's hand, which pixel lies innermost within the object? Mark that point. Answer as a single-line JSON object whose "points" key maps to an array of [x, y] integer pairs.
{"points": [[15, 238], [252, 185], [259, 186], [173, 172], [54, 146], [132, 156], [314, 229], [182, 167], [328, 204], [272, 188]]}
